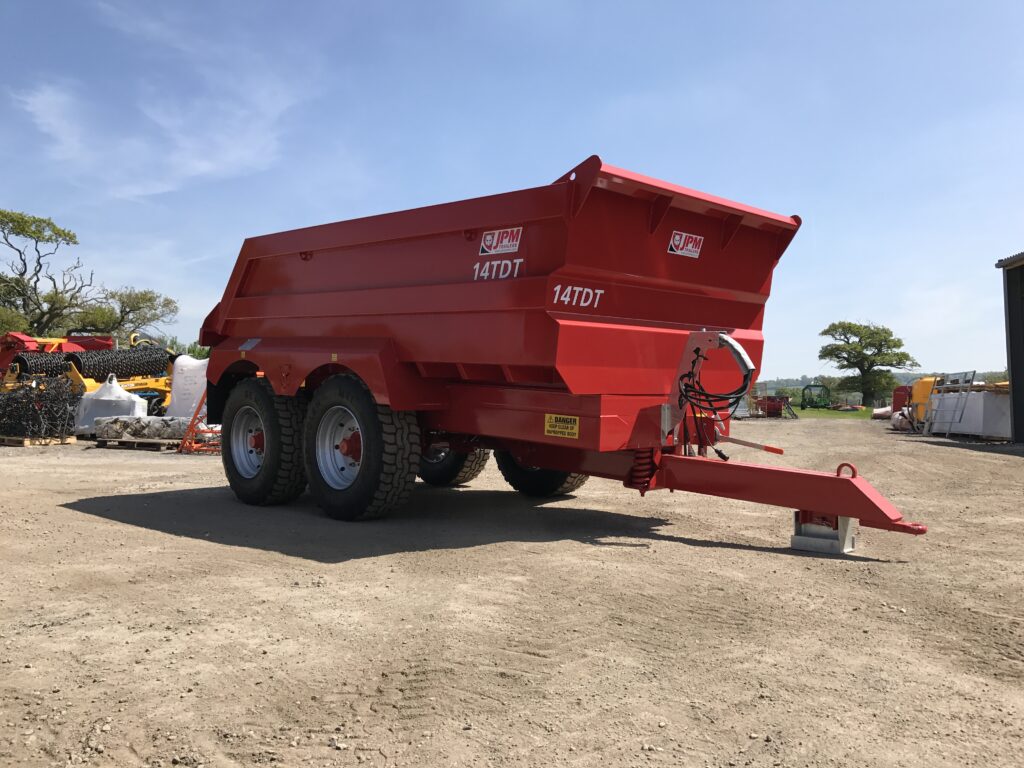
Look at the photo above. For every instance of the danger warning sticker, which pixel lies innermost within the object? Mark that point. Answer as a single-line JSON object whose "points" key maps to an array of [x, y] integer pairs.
{"points": [[501, 241], [558, 425], [685, 244]]}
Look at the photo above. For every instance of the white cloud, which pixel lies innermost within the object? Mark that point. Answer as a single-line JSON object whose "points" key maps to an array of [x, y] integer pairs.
{"points": [[54, 111], [224, 119]]}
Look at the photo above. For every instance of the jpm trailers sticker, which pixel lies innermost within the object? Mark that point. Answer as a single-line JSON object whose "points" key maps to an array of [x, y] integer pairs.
{"points": [[559, 425], [685, 244], [501, 241]]}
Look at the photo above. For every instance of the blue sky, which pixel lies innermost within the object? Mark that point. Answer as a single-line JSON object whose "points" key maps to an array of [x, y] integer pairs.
{"points": [[165, 133]]}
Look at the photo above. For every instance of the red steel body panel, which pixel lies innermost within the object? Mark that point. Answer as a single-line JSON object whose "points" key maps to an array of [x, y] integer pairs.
{"points": [[590, 303]]}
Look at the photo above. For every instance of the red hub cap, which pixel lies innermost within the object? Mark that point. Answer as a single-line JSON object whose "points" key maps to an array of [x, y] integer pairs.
{"points": [[352, 447], [256, 441]]}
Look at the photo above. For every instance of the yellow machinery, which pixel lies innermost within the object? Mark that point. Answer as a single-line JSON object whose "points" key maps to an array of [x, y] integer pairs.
{"points": [[160, 386], [10, 379], [153, 386], [144, 368], [22, 355], [920, 393]]}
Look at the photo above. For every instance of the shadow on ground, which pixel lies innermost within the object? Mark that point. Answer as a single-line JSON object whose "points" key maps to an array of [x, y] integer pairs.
{"points": [[982, 446], [433, 519]]}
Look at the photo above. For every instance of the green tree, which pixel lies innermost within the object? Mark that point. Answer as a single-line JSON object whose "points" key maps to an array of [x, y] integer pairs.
{"points": [[194, 349], [832, 382], [29, 287], [12, 320], [197, 350], [793, 393], [992, 376], [868, 349], [125, 310], [881, 382], [42, 301]]}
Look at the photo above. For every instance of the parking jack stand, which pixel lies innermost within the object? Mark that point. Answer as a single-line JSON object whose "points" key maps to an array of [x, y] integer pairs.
{"points": [[826, 534]]}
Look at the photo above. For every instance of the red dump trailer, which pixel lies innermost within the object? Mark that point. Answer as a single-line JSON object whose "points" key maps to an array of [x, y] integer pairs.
{"points": [[605, 324]]}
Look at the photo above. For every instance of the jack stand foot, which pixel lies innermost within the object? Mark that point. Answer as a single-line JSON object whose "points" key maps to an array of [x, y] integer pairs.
{"points": [[831, 535]]}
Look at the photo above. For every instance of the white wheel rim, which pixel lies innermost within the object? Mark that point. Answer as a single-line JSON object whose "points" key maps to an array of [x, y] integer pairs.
{"points": [[339, 448], [248, 442]]}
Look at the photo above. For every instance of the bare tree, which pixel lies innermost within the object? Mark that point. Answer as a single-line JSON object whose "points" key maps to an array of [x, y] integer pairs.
{"points": [[43, 302], [46, 300]]}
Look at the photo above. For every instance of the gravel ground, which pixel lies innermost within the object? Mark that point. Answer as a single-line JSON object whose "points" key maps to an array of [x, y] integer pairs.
{"points": [[147, 618]]}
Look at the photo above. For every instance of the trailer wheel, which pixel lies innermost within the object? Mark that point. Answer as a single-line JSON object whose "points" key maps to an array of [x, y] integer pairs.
{"points": [[444, 468], [533, 481], [361, 457], [261, 446]]}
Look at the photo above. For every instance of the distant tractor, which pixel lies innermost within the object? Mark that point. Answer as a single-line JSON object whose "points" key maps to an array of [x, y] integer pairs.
{"points": [[815, 396]]}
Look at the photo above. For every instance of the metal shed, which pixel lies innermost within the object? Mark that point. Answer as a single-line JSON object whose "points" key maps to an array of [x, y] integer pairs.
{"points": [[1013, 292]]}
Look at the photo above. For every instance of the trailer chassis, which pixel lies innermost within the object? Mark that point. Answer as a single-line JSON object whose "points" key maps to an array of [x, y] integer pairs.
{"points": [[825, 504]]}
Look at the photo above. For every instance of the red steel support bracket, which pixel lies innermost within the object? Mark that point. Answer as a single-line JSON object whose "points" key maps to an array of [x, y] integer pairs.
{"points": [[822, 500]]}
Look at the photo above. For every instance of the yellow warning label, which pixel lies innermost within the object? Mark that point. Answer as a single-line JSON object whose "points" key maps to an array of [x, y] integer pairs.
{"points": [[557, 425]]}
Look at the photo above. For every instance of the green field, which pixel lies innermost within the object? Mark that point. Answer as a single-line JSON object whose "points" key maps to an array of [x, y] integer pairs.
{"points": [[823, 413]]}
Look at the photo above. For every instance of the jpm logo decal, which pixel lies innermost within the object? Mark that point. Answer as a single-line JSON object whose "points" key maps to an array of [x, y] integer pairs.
{"points": [[685, 244], [501, 241]]}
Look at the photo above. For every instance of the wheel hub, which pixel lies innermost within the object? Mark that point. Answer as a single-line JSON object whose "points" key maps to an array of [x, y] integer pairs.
{"points": [[352, 447], [248, 442], [339, 447], [257, 441], [435, 455]]}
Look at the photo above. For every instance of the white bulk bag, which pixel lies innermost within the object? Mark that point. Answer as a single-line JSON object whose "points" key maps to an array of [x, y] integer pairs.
{"points": [[109, 399], [188, 382]]}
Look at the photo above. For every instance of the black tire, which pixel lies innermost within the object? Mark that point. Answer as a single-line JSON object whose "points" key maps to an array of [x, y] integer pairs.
{"points": [[280, 478], [389, 452], [532, 481], [155, 405], [452, 467]]}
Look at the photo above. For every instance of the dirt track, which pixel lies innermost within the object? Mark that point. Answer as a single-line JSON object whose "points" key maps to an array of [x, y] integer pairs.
{"points": [[148, 618]]}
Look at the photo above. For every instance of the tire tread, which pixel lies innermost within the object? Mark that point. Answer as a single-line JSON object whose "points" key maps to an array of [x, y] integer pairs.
{"points": [[282, 416], [448, 472], [475, 463], [543, 485], [400, 452], [291, 476], [399, 463]]}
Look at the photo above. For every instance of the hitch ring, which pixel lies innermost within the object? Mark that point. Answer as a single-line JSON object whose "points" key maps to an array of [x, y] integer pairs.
{"points": [[853, 469]]}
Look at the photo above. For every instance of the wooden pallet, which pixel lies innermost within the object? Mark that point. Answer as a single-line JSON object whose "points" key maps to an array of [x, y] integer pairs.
{"points": [[139, 444], [25, 442]]}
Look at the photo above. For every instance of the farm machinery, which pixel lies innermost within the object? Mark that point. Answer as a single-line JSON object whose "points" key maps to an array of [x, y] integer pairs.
{"points": [[815, 396], [26, 355], [606, 324], [86, 361]]}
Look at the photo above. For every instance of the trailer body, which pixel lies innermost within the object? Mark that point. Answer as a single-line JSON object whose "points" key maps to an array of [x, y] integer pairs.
{"points": [[552, 323]]}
